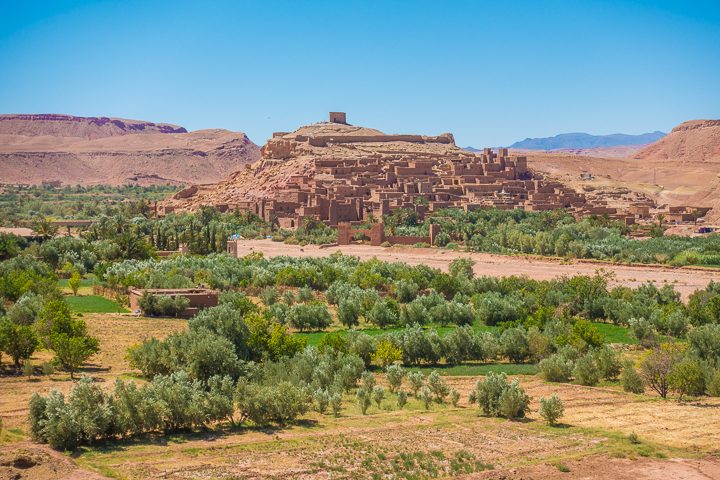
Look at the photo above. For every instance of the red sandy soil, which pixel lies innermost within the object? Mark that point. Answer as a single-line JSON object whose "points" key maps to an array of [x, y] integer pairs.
{"points": [[685, 280]]}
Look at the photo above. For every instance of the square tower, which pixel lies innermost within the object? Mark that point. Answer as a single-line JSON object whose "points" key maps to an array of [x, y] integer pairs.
{"points": [[337, 117]]}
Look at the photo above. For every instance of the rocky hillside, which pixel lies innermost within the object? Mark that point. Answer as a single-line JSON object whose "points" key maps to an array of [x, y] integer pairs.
{"points": [[693, 141], [101, 150]]}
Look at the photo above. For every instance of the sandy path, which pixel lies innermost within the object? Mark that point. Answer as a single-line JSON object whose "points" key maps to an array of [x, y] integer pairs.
{"points": [[685, 280]]}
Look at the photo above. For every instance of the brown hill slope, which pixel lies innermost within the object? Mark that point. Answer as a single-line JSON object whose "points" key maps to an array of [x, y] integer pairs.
{"points": [[91, 151], [693, 141], [682, 168]]}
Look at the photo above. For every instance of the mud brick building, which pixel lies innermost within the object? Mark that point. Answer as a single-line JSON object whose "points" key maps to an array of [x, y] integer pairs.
{"points": [[337, 173]]}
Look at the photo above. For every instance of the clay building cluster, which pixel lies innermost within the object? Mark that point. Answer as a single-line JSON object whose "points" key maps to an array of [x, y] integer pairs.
{"points": [[337, 173]]}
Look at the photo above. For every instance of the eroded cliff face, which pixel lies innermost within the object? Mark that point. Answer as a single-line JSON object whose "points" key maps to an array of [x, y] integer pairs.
{"points": [[101, 150]]}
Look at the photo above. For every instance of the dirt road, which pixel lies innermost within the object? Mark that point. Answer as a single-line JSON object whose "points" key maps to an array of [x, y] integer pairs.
{"points": [[685, 280]]}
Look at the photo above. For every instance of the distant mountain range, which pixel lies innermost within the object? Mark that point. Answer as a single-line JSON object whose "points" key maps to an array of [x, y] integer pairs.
{"points": [[585, 140]]}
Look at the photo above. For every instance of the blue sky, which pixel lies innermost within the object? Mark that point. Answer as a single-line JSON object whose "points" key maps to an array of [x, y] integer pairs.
{"points": [[491, 72]]}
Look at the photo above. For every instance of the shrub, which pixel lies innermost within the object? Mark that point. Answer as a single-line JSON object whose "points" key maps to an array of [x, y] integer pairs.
{"points": [[438, 387], [363, 399], [586, 371], [401, 399], [514, 402], [687, 378], [336, 403], [279, 403], [201, 354], [425, 396], [309, 316], [556, 368], [489, 391], [74, 282], [387, 353], [378, 395], [644, 331], [705, 343], [631, 380], [394, 375], [607, 362], [348, 311], [515, 345], [416, 381], [368, 381], [405, 290], [461, 345], [384, 313], [551, 409], [713, 384], [454, 397], [362, 345]]}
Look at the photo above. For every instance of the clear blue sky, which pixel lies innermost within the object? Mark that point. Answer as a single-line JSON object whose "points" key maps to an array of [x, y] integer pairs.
{"points": [[491, 72]]}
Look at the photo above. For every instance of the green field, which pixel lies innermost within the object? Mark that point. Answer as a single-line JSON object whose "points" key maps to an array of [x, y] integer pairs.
{"points": [[93, 304], [612, 333]]}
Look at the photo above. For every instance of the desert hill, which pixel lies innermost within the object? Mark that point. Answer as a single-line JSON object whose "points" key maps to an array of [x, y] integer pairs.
{"points": [[101, 150], [693, 141], [682, 168], [570, 141]]}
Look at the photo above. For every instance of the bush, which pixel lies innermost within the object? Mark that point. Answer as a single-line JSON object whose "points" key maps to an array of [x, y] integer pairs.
{"points": [[309, 316], [556, 368], [279, 403], [425, 396], [438, 387], [387, 353], [551, 409], [401, 399], [705, 343], [515, 345], [586, 371], [201, 354], [514, 402], [713, 384], [687, 378], [378, 395], [416, 381], [384, 313], [454, 397], [363, 399], [497, 397], [348, 311], [394, 375], [631, 380], [607, 362]]}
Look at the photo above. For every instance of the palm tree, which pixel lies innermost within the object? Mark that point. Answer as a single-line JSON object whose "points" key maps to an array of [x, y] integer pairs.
{"points": [[44, 228]]}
